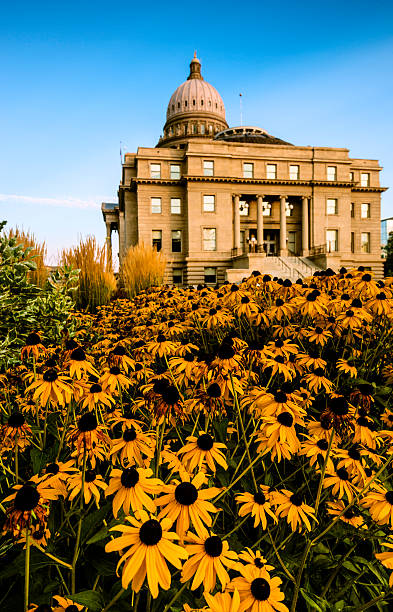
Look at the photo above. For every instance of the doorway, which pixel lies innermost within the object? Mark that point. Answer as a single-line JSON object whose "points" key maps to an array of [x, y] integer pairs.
{"points": [[270, 242]]}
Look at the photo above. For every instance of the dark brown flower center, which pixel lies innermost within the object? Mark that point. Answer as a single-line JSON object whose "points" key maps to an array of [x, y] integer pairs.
{"points": [[205, 442], [389, 497], [170, 395], [43, 608], [95, 388], [285, 418], [354, 453], [90, 476], [129, 477], [52, 468], [260, 589], [225, 351], [115, 371], [16, 419], [78, 354], [214, 390], [71, 608], [323, 445], [342, 473], [119, 351], [280, 397], [339, 406], [296, 499], [26, 498], [50, 375], [213, 546], [150, 532], [258, 562], [259, 498], [186, 493], [87, 422], [129, 435], [33, 339]]}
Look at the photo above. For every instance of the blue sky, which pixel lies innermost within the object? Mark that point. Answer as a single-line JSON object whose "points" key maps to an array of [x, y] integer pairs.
{"points": [[79, 77]]}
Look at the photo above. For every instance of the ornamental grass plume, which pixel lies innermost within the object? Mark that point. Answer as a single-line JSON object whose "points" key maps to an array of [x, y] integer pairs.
{"points": [[38, 255], [142, 267], [97, 283]]}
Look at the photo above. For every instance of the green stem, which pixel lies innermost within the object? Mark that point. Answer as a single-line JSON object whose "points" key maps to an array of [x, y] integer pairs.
{"points": [[16, 459], [175, 597], [299, 576], [323, 473], [27, 568], [244, 435], [281, 562], [373, 601], [114, 600], [78, 535], [336, 571], [59, 561]]}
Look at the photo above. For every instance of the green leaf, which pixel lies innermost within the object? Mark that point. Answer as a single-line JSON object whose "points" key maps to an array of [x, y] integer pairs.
{"points": [[315, 602], [91, 599], [100, 535]]}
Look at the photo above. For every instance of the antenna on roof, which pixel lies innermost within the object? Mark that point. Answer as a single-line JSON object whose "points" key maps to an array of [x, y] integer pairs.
{"points": [[241, 109], [121, 154]]}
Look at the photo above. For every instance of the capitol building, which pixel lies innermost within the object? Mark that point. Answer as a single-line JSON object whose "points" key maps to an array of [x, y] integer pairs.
{"points": [[223, 201]]}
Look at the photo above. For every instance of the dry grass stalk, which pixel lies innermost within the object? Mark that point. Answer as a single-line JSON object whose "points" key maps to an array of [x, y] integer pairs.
{"points": [[38, 255], [142, 267], [97, 283]]}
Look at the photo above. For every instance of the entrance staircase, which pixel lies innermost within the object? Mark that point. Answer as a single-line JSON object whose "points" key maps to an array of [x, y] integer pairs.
{"points": [[291, 267]]}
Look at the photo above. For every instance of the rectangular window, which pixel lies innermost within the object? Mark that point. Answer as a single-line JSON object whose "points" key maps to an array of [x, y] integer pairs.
{"points": [[331, 206], [175, 171], [175, 206], [248, 170], [176, 241], [156, 205], [365, 211], [177, 276], [289, 210], [365, 179], [244, 208], [331, 241], [210, 276], [271, 171], [157, 239], [208, 168], [351, 176], [155, 171], [203, 128], [209, 238], [267, 209], [352, 209], [365, 242], [331, 173], [352, 242], [294, 173], [209, 204]]}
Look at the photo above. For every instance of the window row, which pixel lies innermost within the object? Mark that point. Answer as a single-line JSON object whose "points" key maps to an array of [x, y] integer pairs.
{"points": [[248, 172], [210, 276], [333, 246], [176, 240], [156, 206], [332, 208]]}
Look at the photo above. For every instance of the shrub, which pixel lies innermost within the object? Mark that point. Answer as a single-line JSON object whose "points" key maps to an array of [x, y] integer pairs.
{"points": [[97, 283], [142, 267]]}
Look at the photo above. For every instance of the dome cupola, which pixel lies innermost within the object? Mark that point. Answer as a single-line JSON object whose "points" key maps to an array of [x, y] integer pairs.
{"points": [[195, 109]]}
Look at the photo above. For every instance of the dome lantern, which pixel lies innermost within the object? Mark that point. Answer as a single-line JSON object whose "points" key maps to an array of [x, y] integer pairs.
{"points": [[195, 68]]}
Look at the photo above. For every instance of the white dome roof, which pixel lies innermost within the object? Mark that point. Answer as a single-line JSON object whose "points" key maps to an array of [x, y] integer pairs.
{"points": [[195, 95]]}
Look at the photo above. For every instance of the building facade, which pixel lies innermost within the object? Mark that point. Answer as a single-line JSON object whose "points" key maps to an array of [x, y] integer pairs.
{"points": [[221, 202]]}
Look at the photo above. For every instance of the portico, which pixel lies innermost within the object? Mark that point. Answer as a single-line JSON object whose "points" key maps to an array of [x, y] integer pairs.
{"points": [[270, 224]]}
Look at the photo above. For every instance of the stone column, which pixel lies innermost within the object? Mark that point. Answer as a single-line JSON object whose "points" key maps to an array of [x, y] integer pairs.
{"points": [[236, 224], [305, 227], [121, 235], [283, 227], [260, 224], [109, 240]]}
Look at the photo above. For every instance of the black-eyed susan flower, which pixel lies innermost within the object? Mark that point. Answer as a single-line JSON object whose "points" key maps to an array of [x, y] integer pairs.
{"points": [[347, 366], [386, 558], [88, 437], [79, 364], [15, 431], [185, 502], [342, 483], [317, 449], [351, 516], [209, 555], [202, 450], [134, 446], [318, 335], [292, 506], [132, 487], [26, 501], [113, 380], [257, 505], [256, 558], [223, 602], [387, 418], [379, 502], [118, 357], [33, 346], [52, 387], [146, 546], [92, 483], [161, 346], [95, 395], [318, 380], [258, 591], [65, 604]]}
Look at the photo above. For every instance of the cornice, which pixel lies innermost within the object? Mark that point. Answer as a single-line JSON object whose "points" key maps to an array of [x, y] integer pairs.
{"points": [[250, 181]]}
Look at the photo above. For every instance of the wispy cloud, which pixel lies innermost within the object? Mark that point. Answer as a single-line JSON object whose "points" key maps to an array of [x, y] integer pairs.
{"points": [[61, 202]]}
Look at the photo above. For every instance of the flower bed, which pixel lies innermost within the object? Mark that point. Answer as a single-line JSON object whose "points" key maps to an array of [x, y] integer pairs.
{"points": [[224, 450]]}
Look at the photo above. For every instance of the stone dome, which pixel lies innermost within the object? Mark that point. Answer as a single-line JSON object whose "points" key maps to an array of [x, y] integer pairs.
{"points": [[195, 95], [195, 110]]}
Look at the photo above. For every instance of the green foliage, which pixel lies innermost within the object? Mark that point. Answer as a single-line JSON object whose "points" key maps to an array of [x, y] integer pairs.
{"points": [[389, 256], [24, 307]]}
